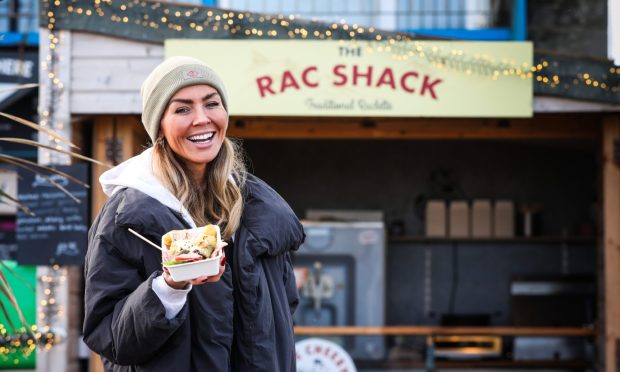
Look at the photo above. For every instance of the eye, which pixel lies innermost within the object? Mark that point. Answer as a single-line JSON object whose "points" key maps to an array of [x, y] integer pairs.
{"points": [[212, 104], [181, 110]]}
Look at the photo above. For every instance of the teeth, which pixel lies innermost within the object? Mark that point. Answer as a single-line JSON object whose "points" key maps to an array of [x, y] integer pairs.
{"points": [[201, 137]]}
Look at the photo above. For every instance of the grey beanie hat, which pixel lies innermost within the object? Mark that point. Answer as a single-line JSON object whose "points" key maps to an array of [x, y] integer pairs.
{"points": [[166, 79]]}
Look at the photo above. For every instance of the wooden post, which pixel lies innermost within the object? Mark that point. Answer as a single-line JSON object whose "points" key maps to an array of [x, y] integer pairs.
{"points": [[102, 131], [611, 243], [126, 135]]}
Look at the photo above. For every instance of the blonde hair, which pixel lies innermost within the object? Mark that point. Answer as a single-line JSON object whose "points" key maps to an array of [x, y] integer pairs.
{"points": [[218, 199]]}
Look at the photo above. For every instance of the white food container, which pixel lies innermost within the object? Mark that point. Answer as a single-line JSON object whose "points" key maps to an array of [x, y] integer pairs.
{"points": [[195, 269]]}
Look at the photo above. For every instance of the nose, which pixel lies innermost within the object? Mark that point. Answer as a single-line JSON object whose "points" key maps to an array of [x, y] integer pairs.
{"points": [[201, 117]]}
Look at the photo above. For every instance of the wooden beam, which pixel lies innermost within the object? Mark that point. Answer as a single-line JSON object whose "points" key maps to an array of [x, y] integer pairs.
{"points": [[552, 126], [611, 242], [441, 330]]}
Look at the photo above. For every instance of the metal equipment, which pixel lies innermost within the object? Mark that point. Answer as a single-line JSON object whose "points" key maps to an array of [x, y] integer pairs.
{"points": [[341, 273]]}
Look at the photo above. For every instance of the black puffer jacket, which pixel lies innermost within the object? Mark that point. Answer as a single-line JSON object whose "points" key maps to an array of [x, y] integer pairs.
{"points": [[264, 283], [125, 321]]}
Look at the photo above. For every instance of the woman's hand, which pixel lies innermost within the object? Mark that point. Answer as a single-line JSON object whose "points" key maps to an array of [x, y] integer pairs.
{"points": [[198, 281]]}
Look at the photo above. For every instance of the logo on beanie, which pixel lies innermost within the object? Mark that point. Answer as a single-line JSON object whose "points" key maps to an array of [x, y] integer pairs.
{"points": [[193, 74]]}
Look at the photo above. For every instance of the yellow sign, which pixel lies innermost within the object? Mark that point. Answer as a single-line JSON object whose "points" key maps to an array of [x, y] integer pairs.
{"points": [[364, 78]]}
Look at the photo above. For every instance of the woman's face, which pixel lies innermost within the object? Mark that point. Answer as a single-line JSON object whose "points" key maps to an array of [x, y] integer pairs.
{"points": [[194, 126]]}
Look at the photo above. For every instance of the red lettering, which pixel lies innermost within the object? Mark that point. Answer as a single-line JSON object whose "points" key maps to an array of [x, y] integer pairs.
{"points": [[343, 77], [304, 77], [404, 77], [367, 75], [264, 85], [340, 362], [426, 86], [326, 351], [288, 81], [387, 77]]}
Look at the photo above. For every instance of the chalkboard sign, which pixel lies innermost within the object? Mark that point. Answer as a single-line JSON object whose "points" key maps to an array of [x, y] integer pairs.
{"points": [[57, 234]]}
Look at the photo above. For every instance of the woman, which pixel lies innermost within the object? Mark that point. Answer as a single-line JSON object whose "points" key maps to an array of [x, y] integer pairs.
{"points": [[136, 316]]}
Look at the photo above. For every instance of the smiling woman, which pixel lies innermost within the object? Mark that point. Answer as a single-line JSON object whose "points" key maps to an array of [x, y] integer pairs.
{"points": [[192, 176], [194, 126]]}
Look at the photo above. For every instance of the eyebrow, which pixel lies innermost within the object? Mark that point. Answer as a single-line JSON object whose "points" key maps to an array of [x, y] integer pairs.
{"points": [[189, 101]]}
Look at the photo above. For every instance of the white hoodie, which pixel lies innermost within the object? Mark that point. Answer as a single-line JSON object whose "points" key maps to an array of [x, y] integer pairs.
{"points": [[137, 173]]}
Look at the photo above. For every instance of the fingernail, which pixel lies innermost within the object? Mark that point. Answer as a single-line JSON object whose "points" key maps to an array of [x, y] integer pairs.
{"points": [[205, 280], [223, 261]]}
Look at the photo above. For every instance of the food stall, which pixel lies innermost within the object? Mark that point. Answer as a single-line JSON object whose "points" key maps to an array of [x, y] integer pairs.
{"points": [[386, 122]]}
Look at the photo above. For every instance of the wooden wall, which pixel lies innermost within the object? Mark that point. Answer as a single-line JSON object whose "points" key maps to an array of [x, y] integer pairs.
{"points": [[107, 72]]}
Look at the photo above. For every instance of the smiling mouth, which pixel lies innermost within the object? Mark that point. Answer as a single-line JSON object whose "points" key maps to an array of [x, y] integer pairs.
{"points": [[202, 138]]}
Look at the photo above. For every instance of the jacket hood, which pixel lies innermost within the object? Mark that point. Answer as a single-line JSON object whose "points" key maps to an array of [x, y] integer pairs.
{"points": [[137, 173]]}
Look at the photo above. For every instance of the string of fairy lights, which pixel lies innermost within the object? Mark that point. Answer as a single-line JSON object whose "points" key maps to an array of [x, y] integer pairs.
{"points": [[50, 308], [551, 74], [152, 17], [51, 88], [25, 340], [453, 59], [154, 21], [21, 343]]}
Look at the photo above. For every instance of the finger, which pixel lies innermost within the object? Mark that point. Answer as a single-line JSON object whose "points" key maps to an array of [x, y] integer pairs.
{"points": [[223, 261], [215, 278], [199, 280]]}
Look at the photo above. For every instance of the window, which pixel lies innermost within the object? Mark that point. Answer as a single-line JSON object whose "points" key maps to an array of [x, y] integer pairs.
{"points": [[19, 16], [390, 14]]}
